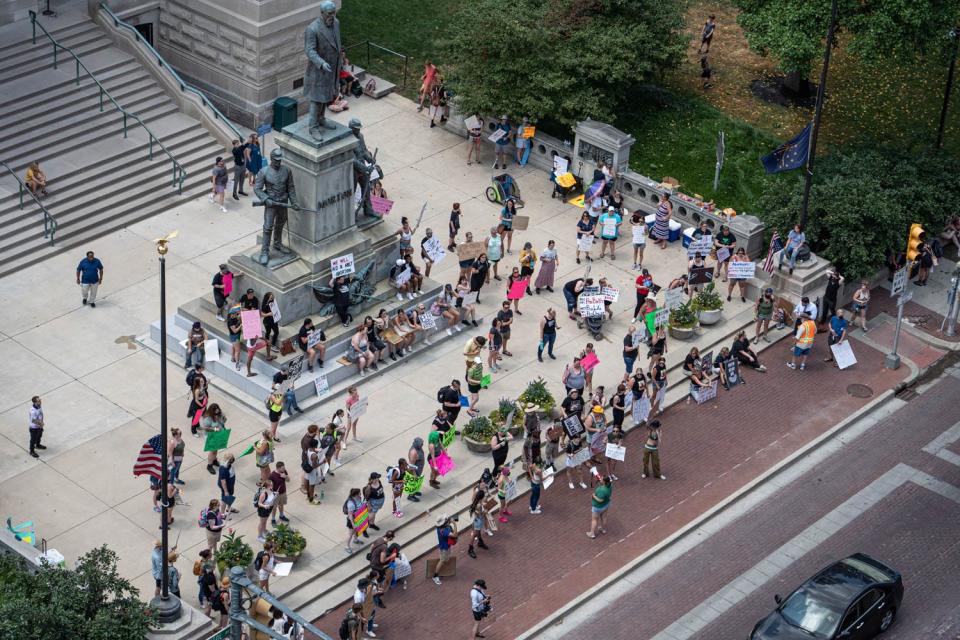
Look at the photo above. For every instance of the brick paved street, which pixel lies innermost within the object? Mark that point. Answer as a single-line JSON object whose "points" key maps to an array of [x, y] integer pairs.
{"points": [[913, 528], [538, 563]]}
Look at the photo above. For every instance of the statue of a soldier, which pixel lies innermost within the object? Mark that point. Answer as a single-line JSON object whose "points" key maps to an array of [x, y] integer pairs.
{"points": [[363, 165], [324, 62], [274, 187]]}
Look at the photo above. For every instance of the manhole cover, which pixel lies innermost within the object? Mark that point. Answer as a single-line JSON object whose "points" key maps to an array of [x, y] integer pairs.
{"points": [[859, 390]]}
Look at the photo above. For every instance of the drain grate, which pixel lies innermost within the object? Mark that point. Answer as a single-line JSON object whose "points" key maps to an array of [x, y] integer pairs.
{"points": [[907, 394], [859, 390]]}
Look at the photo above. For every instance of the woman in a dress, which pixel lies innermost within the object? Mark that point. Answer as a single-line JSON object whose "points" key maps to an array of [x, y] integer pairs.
{"points": [[548, 267], [661, 225]]}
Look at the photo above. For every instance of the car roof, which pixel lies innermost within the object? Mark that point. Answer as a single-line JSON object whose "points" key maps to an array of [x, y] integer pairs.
{"points": [[845, 579]]}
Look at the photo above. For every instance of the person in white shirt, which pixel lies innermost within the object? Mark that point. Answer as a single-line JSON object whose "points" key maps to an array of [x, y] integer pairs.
{"points": [[804, 308], [479, 605], [366, 589]]}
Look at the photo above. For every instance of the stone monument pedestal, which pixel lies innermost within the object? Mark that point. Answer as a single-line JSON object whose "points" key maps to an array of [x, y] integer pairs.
{"points": [[809, 279], [324, 179]]}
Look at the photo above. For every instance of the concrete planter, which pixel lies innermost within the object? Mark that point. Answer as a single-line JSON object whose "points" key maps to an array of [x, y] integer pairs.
{"points": [[476, 446], [682, 333], [711, 316]]}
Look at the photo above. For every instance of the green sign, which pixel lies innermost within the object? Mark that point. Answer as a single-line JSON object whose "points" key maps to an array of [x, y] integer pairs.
{"points": [[485, 381], [412, 483], [217, 440], [448, 437]]}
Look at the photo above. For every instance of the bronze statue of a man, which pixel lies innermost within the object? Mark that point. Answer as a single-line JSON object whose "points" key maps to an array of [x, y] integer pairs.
{"points": [[324, 62], [274, 187]]}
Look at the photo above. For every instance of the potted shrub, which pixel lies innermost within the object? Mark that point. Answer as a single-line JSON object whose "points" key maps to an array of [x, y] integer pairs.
{"points": [[708, 305], [504, 408], [233, 552], [683, 321], [288, 543], [477, 434], [537, 393]]}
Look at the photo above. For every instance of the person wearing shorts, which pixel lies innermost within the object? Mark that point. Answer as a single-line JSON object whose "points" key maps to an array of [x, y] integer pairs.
{"points": [[600, 504], [219, 181]]}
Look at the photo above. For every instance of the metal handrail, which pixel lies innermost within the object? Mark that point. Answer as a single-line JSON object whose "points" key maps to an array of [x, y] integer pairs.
{"points": [[178, 172], [368, 44], [49, 222], [184, 86]]}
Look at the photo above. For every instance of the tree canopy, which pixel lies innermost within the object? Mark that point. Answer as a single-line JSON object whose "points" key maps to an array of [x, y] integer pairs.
{"points": [[863, 201], [560, 59], [793, 31], [91, 602]]}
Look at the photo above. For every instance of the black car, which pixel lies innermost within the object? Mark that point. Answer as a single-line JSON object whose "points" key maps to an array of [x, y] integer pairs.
{"points": [[853, 599]]}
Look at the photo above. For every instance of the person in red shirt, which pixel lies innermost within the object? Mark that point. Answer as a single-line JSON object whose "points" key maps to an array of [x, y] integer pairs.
{"points": [[279, 477], [644, 284]]}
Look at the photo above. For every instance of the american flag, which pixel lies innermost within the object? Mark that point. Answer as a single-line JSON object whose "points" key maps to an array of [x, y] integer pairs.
{"points": [[775, 245], [148, 461]]}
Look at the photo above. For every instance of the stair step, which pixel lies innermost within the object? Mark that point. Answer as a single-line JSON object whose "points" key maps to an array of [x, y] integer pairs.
{"points": [[112, 125], [52, 82], [98, 223], [43, 50], [82, 112], [64, 60], [85, 188], [64, 184], [59, 33], [87, 98]]}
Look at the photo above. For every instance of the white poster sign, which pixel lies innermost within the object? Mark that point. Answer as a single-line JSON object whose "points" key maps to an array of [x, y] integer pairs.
{"points": [[358, 409], [428, 322], [584, 242], [320, 382], [497, 135], [313, 338], [470, 298], [275, 310], [701, 246], [639, 234], [560, 165], [471, 123], [610, 294], [706, 393], [843, 354], [723, 254], [741, 270], [591, 306], [342, 266], [673, 298], [616, 452], [211, 350], [434, 249], [609, 228], [661, 317], [404, 277]]}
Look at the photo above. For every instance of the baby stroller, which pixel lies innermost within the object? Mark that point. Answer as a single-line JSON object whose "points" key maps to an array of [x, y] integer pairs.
{"points": [[504, 188], [565, 185], [592, 322]]}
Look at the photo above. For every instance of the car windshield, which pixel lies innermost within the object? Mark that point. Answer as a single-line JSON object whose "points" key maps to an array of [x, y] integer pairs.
{"points": [[815, 616]]}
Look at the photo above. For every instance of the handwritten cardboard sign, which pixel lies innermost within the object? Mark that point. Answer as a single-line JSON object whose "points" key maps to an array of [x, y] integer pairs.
{"points": [[616, 452], [521, 223], [470, 250], [250, 323], [702, 246], [741, 270], [342, 266], [610, 294], [381, 205]]}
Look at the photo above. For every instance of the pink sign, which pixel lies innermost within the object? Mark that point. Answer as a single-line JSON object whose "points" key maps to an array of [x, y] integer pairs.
{"points": [[251, 324], [444, 464], [227, 284], [589, 361], [517, 289], [381, 205]]}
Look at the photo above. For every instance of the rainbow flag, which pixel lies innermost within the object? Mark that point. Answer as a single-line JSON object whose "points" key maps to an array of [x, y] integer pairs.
{"points": [[361, 519]]}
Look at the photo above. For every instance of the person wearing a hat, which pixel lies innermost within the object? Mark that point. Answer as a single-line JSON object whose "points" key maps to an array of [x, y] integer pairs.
{"points": [[474, 382], [218, 182], [610, 223], [196, 338], [500, 160], [375, 497], [446, 531], [764, 312], [479, 605], [156, 564], [222, 287]]}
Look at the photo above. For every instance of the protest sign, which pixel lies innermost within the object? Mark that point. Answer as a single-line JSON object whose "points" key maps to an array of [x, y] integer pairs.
{"points": [[470, 298], [471, 122], [404, 277], [227, 284], [434, 249], [511, 490], [589, 361], [521, 223], [701, 275], [741, 270], [275, 311], [579, 457], [282, 569], [497, 135], [591, 306], [342, 266], [447, 438], [639, 234], [444, 463], [470, 250], [733, 372], [518, 289], [609, 228], [584, 242], [843, 354], [313, 338], [592, 290], [616, 452], [548, 476], [656, 319], [357, 194], [700, 246], [464, 401], [374, 174], [528, 132], [673, 298], [358, 409], [217, 440], [211, 350], [706, 393], [560, 165], [321, 384], [723, 254], [250, 321], [428, 321], [412, 483], [295, 368], [361, 518], [381, 205], [610, 294], [573, 426], [485, 381]]}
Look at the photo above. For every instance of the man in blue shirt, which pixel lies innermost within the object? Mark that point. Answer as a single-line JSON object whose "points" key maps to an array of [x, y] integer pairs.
{"points": [[838, 333], [89, 277], [500, 160], [446, 529]]}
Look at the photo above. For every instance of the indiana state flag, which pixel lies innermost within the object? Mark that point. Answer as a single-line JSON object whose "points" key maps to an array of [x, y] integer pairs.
{"points": [[790, 155]]}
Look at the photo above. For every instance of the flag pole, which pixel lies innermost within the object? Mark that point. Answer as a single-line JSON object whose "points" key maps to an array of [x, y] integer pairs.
{"points": [[821, 95]]}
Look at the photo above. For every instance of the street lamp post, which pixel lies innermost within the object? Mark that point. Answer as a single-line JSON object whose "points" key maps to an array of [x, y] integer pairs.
{"points": [[955, 34], [167, 607]]}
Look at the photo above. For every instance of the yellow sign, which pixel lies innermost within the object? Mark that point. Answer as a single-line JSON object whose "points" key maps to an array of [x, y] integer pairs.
{"points": [[529, 132], [577, 202], [566, 180]]}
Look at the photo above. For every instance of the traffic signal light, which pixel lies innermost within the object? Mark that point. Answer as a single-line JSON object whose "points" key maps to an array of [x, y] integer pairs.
{"points": [[916, 238]]}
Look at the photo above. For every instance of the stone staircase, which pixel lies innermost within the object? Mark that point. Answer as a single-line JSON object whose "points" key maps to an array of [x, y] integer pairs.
{"points": [[98, 180]]}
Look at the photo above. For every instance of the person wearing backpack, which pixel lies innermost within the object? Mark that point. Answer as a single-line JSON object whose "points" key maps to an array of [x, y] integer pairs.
{"points": [[265, 563], [352, 623], [311, 471], [479, 605], [220, 601], [263, 453], [264, 500], [211, 520], [395, 476], [353, 504]]}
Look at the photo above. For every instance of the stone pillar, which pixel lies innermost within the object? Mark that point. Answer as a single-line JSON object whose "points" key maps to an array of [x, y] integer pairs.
{"points": [[596, 141]]}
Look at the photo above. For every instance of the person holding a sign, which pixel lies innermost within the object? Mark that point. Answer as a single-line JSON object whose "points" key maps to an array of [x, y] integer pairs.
{"points": [[724, 244], [500, 161], [609, 232], [353, 414], [351, 507], [838, 333], [416, 278], [639, 229], [196, 338], [467, 310], [427, 241], [658, 383], [271, 327], [406, 236], [313, 342], [698, 382], [739, 256], [474, 383], [615, 437], [504, 483], [586, 227], [572, 291]]}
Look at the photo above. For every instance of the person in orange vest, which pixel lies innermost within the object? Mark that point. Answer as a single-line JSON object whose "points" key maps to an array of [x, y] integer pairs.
{"points": [[804, 343]]}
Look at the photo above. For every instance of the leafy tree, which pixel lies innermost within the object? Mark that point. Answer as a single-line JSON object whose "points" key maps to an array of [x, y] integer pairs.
{"points": [[561, 59], [794, 30], [91, 602], [863, 201]]}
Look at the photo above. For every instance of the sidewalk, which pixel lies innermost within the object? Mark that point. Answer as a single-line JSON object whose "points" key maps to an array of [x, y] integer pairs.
{"points": [[709, 452]]}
